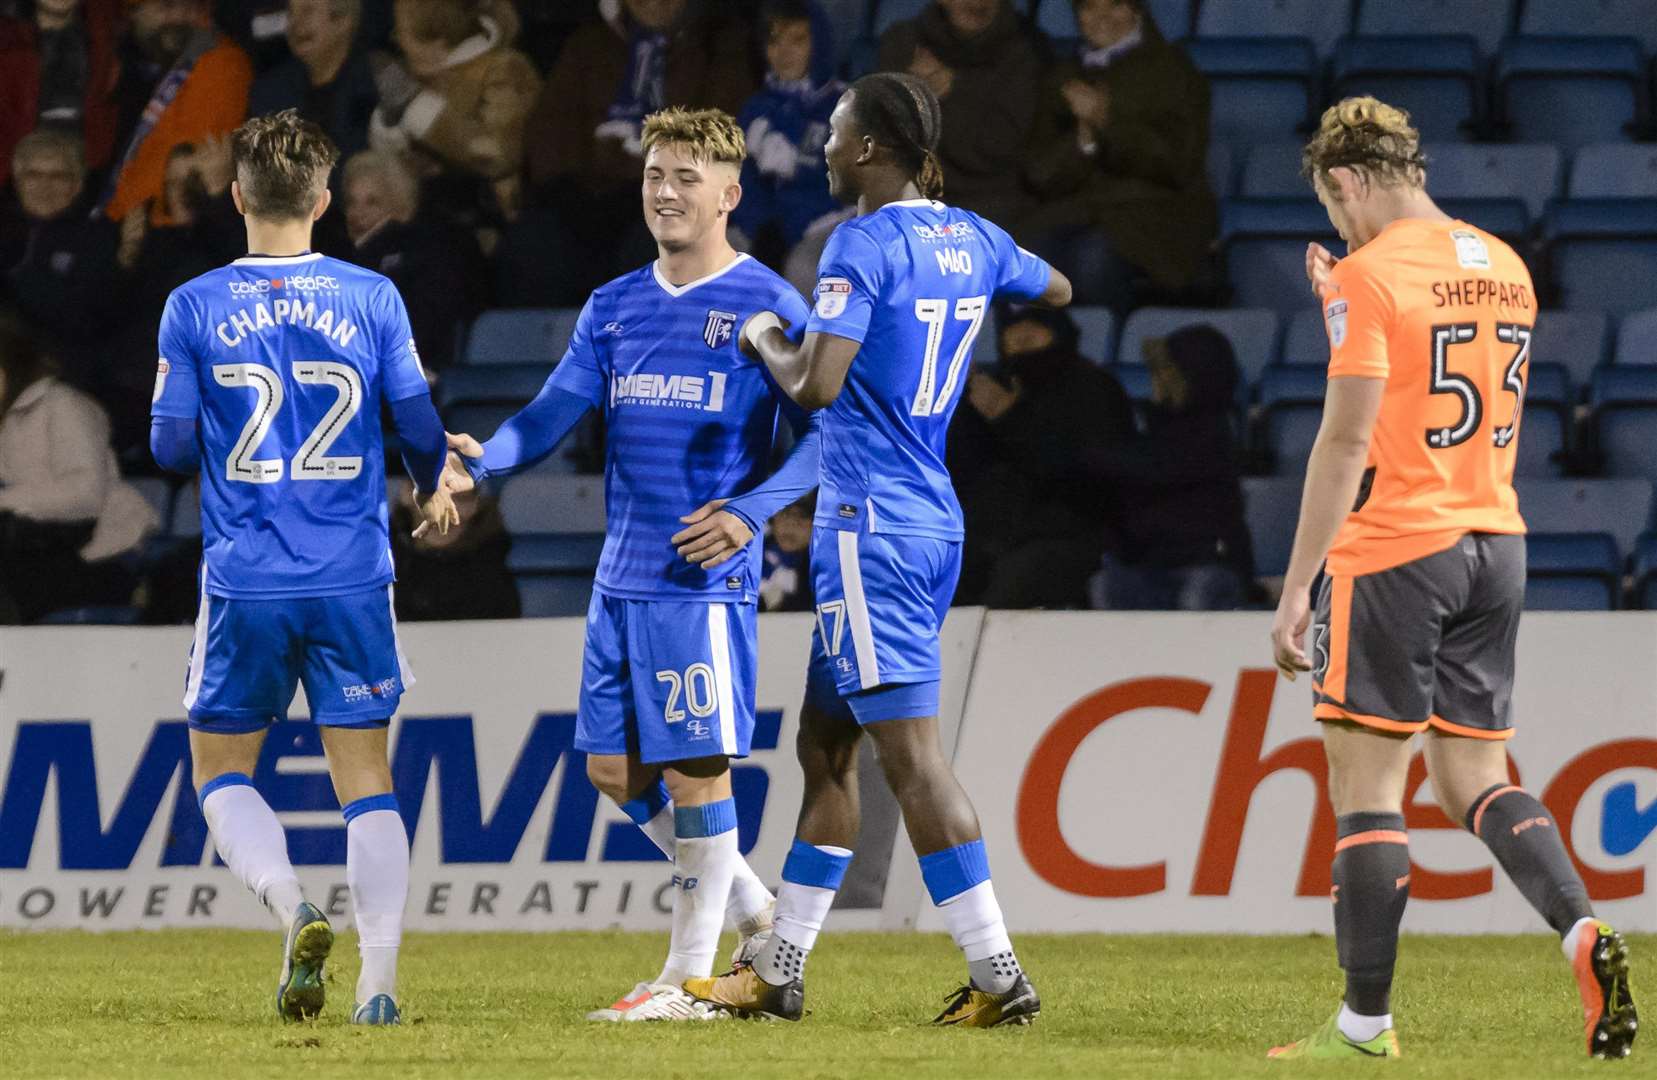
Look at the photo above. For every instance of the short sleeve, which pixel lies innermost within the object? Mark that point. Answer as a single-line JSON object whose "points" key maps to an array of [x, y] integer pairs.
{"points": [[177, 394], [848, 280], [579, 372], [1357, 313], [1021, 276], [791, 306], [399, 358]]}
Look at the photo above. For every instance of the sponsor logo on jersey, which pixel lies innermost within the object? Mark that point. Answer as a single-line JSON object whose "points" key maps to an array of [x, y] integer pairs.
{"points": [[719, 327], [832, 294], [1471, 250], [295, 282], [613, 327], [733, 583], [676, 391], [161, 370], [952, 230], [368, 691], [1335, 315], [696, 729]]}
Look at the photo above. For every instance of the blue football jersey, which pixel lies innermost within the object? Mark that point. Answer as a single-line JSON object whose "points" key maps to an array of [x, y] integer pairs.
{"points": [[688, 418], [913, 282], [285, 363]]}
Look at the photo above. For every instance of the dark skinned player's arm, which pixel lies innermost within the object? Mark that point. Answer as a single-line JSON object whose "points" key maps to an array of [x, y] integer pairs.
{"points": [[813, 372]]}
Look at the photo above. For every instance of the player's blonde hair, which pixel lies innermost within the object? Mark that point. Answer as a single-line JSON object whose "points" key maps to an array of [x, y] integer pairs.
{"points": [[282, 164], [1368, 135], [706, 135]]}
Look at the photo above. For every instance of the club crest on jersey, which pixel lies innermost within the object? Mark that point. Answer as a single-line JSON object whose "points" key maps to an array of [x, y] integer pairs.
{"points": [[1335, 315], [718, 329], [832, 294], [1471, 251]]}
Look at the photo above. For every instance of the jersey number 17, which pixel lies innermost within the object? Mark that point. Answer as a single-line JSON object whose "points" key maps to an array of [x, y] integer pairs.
{"points": [[934, 313]]}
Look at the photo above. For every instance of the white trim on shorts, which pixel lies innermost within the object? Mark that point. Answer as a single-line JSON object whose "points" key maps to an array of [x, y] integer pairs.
{"points": [[198, 647], [719, 648], [857, 612], [404, 673]]}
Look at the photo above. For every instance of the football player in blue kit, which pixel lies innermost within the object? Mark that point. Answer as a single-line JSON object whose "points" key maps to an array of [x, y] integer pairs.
{"points": [[668, 674], [902, 293], [272, 374]]}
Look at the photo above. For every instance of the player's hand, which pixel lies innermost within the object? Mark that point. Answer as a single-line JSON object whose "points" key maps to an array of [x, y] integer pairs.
{"points": [[1294, 614], [713, 535], [1319, 264], [456, 478], [990, 398], [439, 511]]}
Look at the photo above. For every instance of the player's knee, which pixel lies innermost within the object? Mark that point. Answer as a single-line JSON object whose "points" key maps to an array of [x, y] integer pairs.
{"points": [[608, 773]]}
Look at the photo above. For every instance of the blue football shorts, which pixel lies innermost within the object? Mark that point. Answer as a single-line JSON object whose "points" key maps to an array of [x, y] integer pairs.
{"points": [[249, 656], [881, 602], [668, 680]]}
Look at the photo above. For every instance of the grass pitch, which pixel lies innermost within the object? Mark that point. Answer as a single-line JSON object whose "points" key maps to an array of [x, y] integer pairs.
{"points": [[198, 1004]]}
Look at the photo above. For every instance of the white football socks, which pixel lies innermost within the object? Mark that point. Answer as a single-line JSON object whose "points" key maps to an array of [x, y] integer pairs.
{"points": [[750, 899], [704, 865], [1361, 1028], [973, 919], [377, 872], [251, 842], [801, 911]]}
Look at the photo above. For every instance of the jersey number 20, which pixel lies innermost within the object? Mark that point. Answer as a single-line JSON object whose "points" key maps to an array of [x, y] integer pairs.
{"points": [[312, 461], [968, 309]]}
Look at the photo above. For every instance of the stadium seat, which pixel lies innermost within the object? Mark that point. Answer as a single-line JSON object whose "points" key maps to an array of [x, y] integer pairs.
{"points": [[1057, 19], [1270, 506], [1569, 91], [1637, 338], [1577, 18], [1322, 21], [1272, 171], [550, 503], [1620, 507], [1624, 401], [1575, 340], [1528, 171], [1542, 444], [1603, 253], [1486, 21], [1222, 169], [1172, 17], [849, 19], [551, 596], [520, 336], [1252, 333], [1645, 573], [1098, 333], [1259, 88], [1291, 410], [1305, 340], [1577, 571], [1435, 78], [516, 383], [1505, 218], [888, 12], [1615, 170], [555, 553], [1264, 245], [159, 494]]}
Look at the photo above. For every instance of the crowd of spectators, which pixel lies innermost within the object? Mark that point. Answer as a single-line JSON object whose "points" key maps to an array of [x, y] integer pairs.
{"points": [[491, 158]]}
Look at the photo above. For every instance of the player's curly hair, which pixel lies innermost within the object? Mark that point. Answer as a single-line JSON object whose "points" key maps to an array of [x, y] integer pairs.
{"points": [[282, 164], [900, 112], [707, 135], [1370, 136]]}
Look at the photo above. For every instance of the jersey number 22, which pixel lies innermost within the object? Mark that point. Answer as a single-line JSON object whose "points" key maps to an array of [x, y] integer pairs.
{"points": [[312, 461]]}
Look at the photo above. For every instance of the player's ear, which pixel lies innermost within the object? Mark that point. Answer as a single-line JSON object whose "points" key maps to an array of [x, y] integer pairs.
{"points": [[868, 153], [236, 197], [730, 198], [325, 200]]}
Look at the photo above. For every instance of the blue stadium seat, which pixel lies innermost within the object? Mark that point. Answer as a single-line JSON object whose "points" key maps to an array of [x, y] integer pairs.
{"points": [[1270, 505], [1323, 21], [1569, 91], [888, 12], [1252, 333], [516, 383], [1621, 507], [1528, 171], [1603, 253], [1272, 171], [1057, 19], [1575, 340], [1486, 21], [1542, 444], [1305, 340], [538, 502], [1098, 333], [1264, 245], [1637, 338], [555, 553], [1610, 18], [1172, 17], [1615, 170], [849, 20], [1624, 400], [551, 596], [1506, 218], [1548, 385], [1577, 571], [1435, 78], [159, 494], [1291, 410], [1645, 573], [1625, 385], [1222, 169], [185, 520], [520, 336], [1259, 88]]}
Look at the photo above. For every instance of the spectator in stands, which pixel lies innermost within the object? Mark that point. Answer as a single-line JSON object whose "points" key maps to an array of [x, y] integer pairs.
{"points": [[57, 71], [65, 515], [327, 79], [1118, 160], [181, 82], [785, 576], [983, 64], [57, 263], [784, 180], [456, 103], [458, 575], [1184, 543], [1036, 526], [637, 57], [435, 264]]}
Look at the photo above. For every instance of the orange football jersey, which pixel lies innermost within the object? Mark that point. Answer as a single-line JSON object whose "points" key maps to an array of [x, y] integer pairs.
{"points": [[1443, 312]]}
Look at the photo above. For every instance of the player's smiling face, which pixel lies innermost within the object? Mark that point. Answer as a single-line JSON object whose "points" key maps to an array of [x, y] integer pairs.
{"points": [[684, 199], [842, 151]]}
